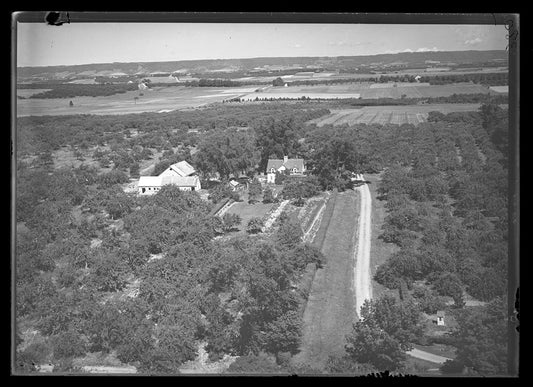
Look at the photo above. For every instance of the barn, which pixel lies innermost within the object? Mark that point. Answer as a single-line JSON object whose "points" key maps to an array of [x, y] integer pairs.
{"points": [[150, 185]]}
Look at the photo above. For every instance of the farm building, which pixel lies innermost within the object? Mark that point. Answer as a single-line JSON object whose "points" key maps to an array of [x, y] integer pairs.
{"points": [[150, 185], [294, 166], [357, 177], [440, 317], [182, 169], [179, 174]]}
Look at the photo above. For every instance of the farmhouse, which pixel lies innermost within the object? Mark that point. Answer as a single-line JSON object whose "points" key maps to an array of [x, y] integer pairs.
{"points": [[150, 185], [294, 166]]}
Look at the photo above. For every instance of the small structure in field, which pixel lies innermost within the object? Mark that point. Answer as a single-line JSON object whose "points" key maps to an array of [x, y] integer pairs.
{"points": [[293, 166], [440, 318], [357, 177]]}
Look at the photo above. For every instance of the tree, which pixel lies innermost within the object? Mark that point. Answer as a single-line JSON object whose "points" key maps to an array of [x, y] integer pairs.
{"points": [[68, 344], [268, 196], [253, 364], [278, 82], [71, 104], [386, 329], [230, 221], [449, 284], [481, 338], [254, 190], [283, 334], [254, 225]]}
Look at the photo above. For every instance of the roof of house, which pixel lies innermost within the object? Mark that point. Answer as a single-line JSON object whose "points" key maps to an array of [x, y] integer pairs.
{"points": [[159, 181], [290, 164], [440, 313]]}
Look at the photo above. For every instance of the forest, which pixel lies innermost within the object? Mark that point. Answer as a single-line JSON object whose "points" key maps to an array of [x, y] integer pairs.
{"points": [[83, 243]]}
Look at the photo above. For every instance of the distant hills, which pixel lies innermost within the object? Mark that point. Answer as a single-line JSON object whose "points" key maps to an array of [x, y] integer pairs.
{"points": [[266, 63]]}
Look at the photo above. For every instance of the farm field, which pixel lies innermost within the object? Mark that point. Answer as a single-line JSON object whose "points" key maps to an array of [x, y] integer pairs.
{"points": [[407, 114], [330, 310], [154, 100], [369, 91]]}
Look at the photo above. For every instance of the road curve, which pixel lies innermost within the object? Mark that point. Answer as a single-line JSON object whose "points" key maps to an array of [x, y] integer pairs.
{"points": [[427, 356], [362, 281]]}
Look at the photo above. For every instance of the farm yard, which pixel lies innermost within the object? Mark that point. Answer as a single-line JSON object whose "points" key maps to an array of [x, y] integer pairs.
{"points": [[408, 114], [153, 100]]}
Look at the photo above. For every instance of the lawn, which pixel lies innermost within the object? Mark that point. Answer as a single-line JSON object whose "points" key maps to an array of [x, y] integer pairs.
{"points": [[330, 310], [248, 211]]}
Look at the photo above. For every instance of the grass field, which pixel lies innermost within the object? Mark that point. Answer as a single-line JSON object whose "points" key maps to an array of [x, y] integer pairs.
{"points": [[248, 211], [330, 310], [369, 91], [153, 100], [408, 114]]}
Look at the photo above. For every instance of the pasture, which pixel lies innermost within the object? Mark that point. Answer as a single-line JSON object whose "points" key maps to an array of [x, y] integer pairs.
{"points": [[381, 115], [153, 100]]}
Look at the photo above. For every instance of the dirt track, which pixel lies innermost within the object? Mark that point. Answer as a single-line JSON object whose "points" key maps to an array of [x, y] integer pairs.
{"points": [[362, 282]]}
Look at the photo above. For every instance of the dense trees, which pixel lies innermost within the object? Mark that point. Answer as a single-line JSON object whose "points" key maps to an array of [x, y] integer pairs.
{"points": [[386, 330]]}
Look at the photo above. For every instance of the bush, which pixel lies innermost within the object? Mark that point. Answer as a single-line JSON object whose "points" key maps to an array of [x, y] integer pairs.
{"points": [[254, 225], [452, 367], [268, 196], [68, 344], [113, 177]]}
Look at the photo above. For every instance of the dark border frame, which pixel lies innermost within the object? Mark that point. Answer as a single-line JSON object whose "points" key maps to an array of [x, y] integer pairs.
{"points": [[511, 20]]}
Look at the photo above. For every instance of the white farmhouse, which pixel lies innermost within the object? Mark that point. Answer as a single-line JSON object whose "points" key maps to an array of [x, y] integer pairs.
{"points": [[182, 169], [294, 166]]}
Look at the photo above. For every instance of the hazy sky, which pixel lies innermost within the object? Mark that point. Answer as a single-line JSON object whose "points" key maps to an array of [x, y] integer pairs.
{"points": [[81, 43]]}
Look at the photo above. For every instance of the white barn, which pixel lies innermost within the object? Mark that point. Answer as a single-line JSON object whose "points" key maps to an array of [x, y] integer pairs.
{"points": [[150, 185]]}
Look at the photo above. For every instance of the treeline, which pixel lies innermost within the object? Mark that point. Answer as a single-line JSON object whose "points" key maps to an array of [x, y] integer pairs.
{"points": [[491, 79], [69, 90], [45, 134]]}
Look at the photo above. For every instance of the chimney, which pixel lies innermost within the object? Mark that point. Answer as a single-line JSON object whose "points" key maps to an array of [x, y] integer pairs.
{"points": [[285, 159]]}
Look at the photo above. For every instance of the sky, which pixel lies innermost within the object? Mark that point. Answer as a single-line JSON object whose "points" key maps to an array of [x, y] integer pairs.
{"points": [[82, 43]]}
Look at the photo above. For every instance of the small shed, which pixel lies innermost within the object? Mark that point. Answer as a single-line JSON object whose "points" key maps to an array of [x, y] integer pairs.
{"points": [[440, 317]]}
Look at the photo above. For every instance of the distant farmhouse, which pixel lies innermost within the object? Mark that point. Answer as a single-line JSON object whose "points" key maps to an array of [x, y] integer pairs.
{"points": [[182, 175], [294, 166]]}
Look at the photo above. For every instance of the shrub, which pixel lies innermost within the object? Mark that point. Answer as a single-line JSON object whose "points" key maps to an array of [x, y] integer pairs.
{"points": [[452, 367], [68, 344], [254, 225]]}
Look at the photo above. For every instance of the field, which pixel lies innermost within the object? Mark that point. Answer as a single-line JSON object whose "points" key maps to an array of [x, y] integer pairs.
{"points": [[369, 91], [330, 308], [407, 114], [157, 99]]}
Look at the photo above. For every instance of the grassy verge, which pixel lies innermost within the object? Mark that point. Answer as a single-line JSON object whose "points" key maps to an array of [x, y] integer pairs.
{"points": [[330, 310], [379, 251], [326, 219]]}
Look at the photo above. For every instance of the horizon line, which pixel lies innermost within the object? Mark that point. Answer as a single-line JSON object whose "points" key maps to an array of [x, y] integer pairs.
{"points": [[255, 57]]}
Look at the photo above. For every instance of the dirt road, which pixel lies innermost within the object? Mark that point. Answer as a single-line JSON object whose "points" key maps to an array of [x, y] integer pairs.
{"points": [[427, 356], [362, 281]]}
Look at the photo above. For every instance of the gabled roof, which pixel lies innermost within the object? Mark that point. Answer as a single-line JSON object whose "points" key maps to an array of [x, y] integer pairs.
{"points": [[182, 168], [289, 164]]}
